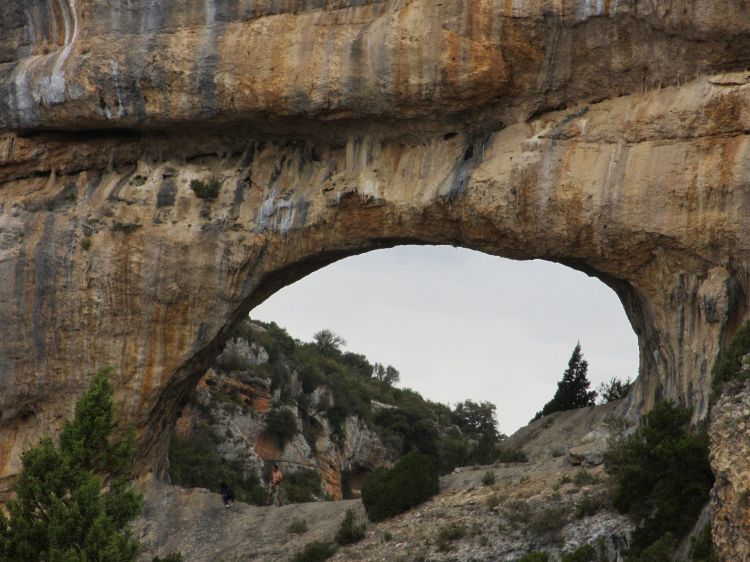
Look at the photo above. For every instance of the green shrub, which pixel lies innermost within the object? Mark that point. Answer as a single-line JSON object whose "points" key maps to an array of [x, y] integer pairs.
{"points": [[662, 550], [661, 476], [613, 390], [449, 534], [535, 556], [206, 190], [584, 553], [565, 479], [488, 478], [301, 486], [411, 481], [194, 462], [349, 532], [727, 367], [493, 501], [589, 505], [518, 513], [298, 526], [583, 478], [315, 552], [540, 520], [507, 454], [60, 510], [548, 520], [281, 423], [702, 546]]}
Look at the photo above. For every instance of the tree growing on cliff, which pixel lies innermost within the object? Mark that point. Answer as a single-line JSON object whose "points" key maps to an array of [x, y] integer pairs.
{"points": [[573, 389], [73, 500], [329, 343], [661, 477], [612, 390], [389, 375]]}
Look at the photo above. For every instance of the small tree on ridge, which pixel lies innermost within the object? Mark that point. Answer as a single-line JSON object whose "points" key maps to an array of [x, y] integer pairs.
{"points": [[573, 389]]}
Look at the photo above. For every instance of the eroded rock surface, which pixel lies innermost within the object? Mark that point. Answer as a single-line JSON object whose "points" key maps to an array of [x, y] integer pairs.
{"points": [[545, 504], [608, 136], [730, 449]]}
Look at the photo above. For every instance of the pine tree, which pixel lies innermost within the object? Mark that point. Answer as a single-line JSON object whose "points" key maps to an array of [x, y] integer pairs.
{"points": [[73, 500], [573, 389]]}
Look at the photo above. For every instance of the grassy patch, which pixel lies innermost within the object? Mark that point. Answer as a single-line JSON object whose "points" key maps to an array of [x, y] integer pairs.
{"points": [[511, 455], [589, 504], [316, 551], [350, 532], [584, 478], [449, 534], [297, 527]]}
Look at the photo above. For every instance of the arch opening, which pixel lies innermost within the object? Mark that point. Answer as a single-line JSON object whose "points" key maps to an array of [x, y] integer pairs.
{"points": [[454, 320], [178, 390]]}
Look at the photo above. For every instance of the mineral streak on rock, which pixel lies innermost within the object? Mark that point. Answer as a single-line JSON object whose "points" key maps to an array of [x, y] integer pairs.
{"points": [[609, 135]]}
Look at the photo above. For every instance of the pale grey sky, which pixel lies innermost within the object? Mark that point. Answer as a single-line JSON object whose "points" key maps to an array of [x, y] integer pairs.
{"points": [[460, 324]]}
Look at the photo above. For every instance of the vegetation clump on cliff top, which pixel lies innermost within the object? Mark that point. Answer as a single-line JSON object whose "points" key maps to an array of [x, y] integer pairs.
{"points": [[464, 435]]}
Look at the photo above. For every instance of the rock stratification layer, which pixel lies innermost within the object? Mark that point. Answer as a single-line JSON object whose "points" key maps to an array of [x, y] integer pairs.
{"points": [[611, 136]]}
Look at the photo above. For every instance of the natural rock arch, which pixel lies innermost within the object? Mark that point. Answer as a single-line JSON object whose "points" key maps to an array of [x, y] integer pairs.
{"points": [[610, 136], [125, 265]]}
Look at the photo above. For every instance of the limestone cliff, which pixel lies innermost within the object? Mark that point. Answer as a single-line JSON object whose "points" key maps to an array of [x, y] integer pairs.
{"points": [[234, 404], [610, 136], [548, 504]]}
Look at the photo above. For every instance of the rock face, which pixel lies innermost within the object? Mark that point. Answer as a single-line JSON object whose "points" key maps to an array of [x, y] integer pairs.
{"points": [[233, 401], [730, 427], [609, 136], [545, 504]]}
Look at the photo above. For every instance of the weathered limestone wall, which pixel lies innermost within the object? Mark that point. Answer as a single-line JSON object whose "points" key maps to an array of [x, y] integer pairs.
{"points": [[611, 136]]}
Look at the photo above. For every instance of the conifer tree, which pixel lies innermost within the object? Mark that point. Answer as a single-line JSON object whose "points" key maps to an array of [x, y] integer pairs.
{"points": [[73, 500], [573, 389]]}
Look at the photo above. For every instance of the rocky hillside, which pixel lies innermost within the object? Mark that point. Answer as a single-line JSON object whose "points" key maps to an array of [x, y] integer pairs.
{"points": [[327, 417], [556, 502]]}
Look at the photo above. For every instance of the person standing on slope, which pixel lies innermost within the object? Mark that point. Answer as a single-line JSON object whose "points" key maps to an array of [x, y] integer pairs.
{"points": [[274, 487]]}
